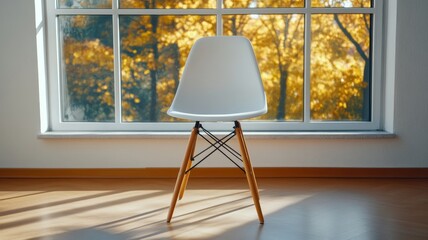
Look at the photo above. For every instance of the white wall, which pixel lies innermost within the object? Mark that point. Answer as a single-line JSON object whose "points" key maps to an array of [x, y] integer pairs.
{"points": [[20, 124]]}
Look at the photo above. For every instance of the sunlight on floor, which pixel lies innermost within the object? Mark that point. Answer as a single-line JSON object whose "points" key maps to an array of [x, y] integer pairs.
{"points": [[223, 209], [130, 213]]}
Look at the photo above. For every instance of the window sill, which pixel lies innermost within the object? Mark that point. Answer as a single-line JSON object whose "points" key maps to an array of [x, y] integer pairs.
{"points": [[248, 134]]}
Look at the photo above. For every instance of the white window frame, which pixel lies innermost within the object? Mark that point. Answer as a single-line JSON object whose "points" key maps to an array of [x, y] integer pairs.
{"points": [[51, 95]]}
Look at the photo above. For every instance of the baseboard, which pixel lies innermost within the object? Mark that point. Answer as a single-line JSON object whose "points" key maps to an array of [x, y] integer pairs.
{"points": [[262, 172]]}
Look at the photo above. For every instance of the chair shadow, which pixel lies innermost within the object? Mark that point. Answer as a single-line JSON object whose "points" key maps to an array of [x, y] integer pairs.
{"points": [[86, 234], [64, 213]]}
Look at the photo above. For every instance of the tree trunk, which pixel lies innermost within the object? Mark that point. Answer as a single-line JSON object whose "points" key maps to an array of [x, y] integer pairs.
{"points": [[366, 109], [153, 72], [282, 94], [175, 72]]}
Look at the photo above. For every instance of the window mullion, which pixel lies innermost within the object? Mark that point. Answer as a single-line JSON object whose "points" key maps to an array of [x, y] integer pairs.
{"points": [[316, 10], [307, 65], [117, 67], [80, 11], [377, 39], [219, 14], [53, 66]]}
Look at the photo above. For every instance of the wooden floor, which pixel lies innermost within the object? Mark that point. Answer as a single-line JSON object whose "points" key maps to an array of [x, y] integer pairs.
{"points": [[304, 209]]}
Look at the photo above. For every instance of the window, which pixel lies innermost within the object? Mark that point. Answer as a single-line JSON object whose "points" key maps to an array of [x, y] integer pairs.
{"points": [[114, 65]]}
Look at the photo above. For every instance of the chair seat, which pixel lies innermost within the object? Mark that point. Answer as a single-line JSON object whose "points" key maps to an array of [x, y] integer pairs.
{"points": [[220, 82], [218, 117]]}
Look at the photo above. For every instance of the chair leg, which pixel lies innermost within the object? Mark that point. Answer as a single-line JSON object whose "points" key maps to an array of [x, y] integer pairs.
{"points": [[249, 171], [178, 185], [187, 175]]}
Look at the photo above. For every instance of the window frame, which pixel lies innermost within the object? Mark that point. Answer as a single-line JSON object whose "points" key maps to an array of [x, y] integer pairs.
{"points": [[54, 88]]}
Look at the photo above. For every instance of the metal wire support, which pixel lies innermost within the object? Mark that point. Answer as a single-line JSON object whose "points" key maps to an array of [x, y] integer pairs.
{"points": [[216, 144]]}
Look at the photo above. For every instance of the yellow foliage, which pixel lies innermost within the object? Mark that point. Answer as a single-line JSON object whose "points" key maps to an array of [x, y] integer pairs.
{"points": [[160, 50]]}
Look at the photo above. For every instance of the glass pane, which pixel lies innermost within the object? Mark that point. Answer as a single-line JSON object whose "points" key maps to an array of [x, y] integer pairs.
{"points": [[167, 4], [342, 3], [341, 67], [263, 3], [153, 52], [278, 44], [87, 68], [84, 3]]}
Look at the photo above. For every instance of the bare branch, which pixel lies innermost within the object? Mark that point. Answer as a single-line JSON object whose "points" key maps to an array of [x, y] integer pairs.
{"points": [[351, 39]]}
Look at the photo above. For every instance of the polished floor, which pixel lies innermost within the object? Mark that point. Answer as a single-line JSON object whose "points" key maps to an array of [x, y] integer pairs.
{"points": [[294, 208]]}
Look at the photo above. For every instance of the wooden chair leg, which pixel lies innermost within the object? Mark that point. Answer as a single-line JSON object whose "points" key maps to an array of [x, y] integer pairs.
{"points": [[181, 173], [249, 171], [187, 175]]}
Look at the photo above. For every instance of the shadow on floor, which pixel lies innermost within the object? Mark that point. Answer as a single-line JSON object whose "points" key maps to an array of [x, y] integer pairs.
{"points": [[86, 234]]}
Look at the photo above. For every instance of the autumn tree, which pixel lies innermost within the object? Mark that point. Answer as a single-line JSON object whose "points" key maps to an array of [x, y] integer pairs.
{"points": [[363, 50], [87, 61], [154, 49], [278, 43], [341, 63]]}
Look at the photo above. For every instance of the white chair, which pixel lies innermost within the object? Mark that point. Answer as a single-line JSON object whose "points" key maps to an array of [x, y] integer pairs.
{"points": [[221, 82]]}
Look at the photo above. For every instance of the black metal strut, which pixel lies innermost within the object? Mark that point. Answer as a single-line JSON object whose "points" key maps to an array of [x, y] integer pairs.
{"points": [[219, 144]]}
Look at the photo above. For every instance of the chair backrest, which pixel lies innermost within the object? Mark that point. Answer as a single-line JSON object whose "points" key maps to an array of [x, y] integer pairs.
{"points": [[220, 82]]}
